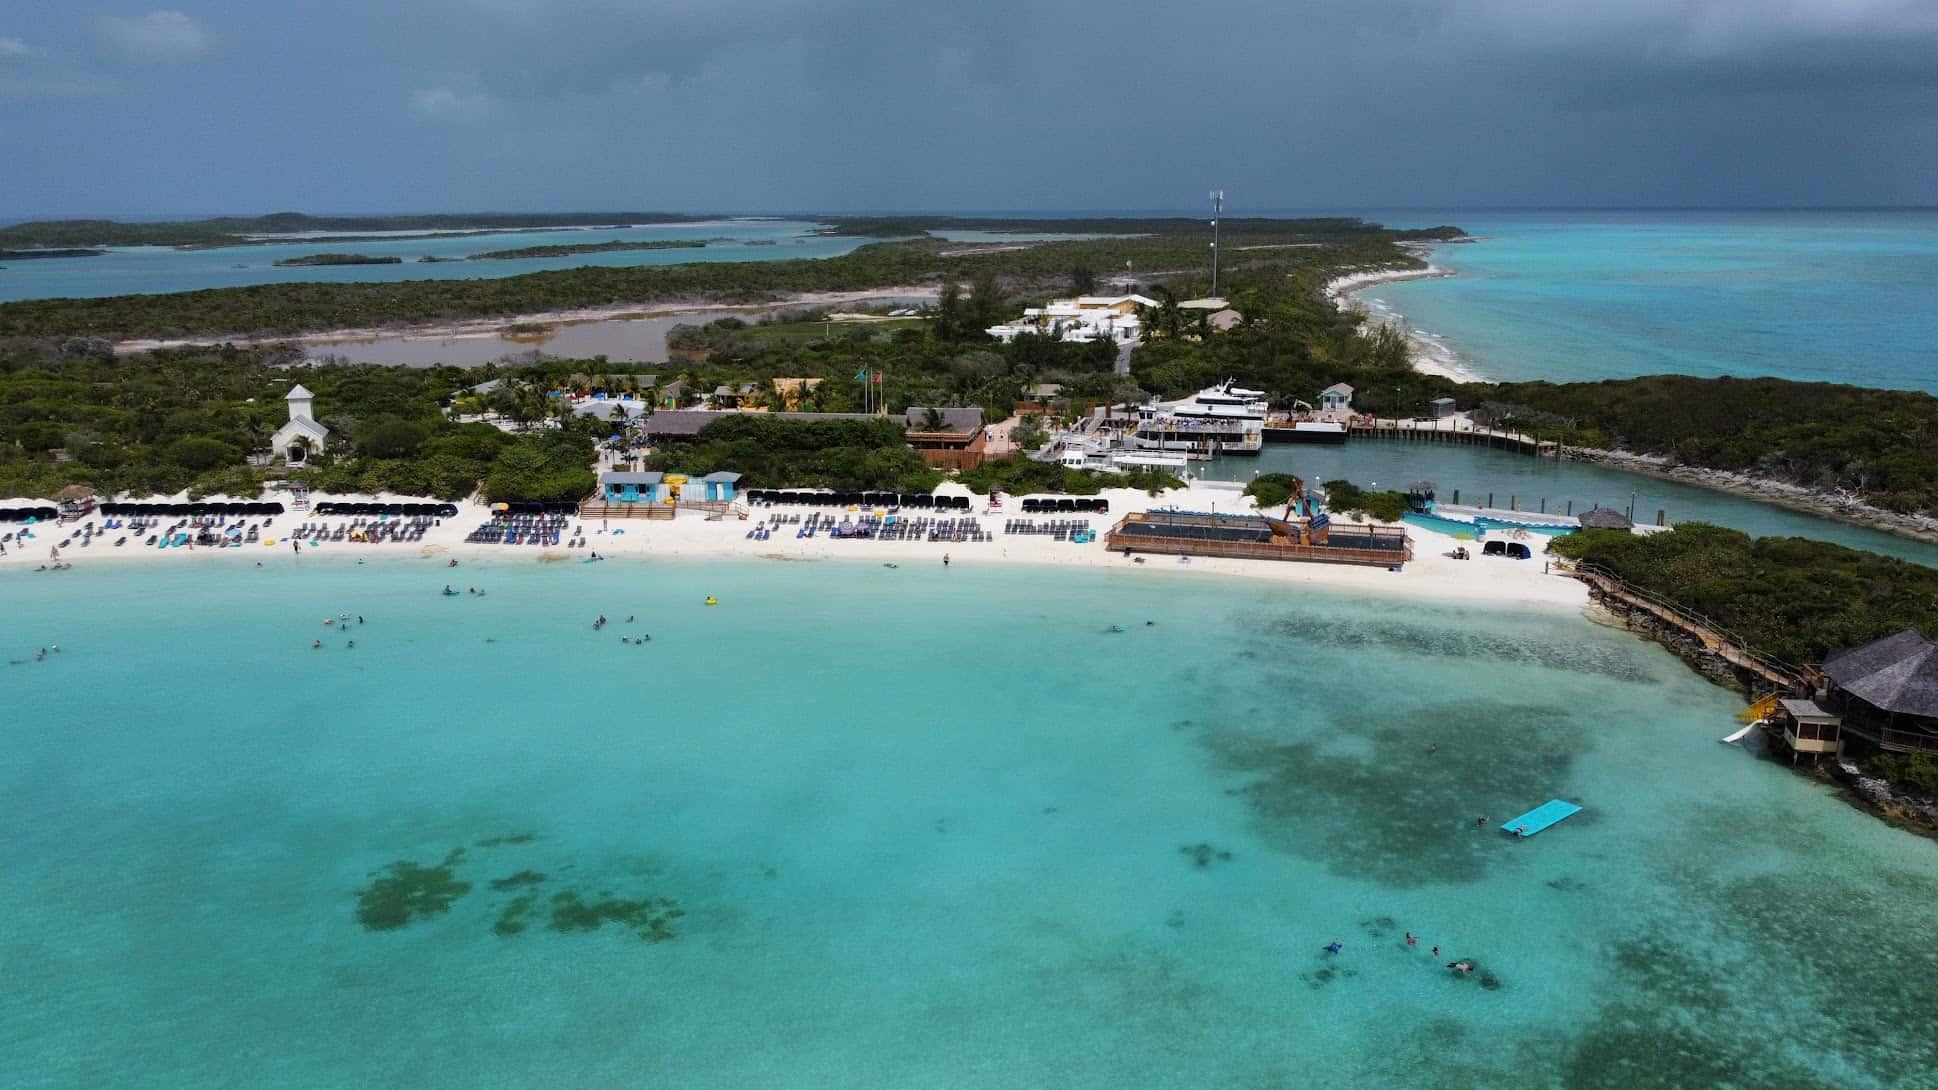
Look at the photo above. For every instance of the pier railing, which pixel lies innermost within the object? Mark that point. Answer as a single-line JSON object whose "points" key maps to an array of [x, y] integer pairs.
{"points": [[1731, 647]]}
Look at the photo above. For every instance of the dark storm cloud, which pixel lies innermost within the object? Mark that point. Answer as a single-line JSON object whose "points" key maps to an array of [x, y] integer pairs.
{"points": [[871, 103]]}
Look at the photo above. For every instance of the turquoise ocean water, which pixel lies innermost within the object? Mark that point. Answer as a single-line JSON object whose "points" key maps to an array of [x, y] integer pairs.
{"points": [[925, 828], [1831, 296]]}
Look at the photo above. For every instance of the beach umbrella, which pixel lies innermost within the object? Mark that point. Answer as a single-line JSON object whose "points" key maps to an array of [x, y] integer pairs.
{"points": [[501, 507]]}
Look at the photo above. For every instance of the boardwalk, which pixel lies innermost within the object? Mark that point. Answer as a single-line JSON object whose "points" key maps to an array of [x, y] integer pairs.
{"points": [[1728, 648]]}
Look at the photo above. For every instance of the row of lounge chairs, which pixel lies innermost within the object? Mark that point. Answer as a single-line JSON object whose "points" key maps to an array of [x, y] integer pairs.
{"points": [[507, 528], [24, 514], [1052, 505], [1060, 529], [873, 528], [371, 531], [210, 531], [424, 510], [196, 509], [770, 497]]}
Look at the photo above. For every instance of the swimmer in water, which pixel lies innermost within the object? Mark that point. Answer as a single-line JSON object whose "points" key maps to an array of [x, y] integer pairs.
{"points": [[1335, 946], [316, 645], [350, 644]]}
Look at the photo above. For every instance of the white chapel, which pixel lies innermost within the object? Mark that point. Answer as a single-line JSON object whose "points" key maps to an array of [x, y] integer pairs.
{"points": [[302, 436]]}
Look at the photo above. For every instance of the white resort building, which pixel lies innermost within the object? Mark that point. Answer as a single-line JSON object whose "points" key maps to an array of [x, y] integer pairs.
{"points": [[302, 436], [1086, 318]]}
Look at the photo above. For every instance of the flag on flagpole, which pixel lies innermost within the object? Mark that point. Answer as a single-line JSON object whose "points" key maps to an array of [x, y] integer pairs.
{"points": [[861, 375]]}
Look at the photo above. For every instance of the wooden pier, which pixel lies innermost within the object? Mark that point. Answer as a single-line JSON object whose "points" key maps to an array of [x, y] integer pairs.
{"points": [[1713, 640], [1433, 431]]}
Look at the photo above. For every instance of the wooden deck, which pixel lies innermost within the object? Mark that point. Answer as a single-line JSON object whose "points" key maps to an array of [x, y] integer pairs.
{"points": [[1141, 532], [1724, 646], [599, 509]]}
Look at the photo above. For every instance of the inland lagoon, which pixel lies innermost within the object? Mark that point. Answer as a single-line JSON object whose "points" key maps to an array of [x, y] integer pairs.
{"points": [[862, 827]]}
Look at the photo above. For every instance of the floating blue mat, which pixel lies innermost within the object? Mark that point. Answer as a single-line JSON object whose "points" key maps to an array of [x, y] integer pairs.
{"points": [[1542, 816]]}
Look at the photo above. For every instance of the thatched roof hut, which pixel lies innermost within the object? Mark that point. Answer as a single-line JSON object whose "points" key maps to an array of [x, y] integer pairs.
{"points": [[1605, 518], [1897, 674]]}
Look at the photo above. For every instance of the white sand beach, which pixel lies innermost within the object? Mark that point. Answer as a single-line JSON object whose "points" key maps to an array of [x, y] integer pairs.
{"points": [[1430, 357], [694, 535]]}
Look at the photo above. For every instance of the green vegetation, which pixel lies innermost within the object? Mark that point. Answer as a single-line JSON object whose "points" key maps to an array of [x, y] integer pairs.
{"points": [[1879, 444], [29, 255], [737, 338], [1021, 476], [1271, 490], [234, 230], [589, 248], [1792, 599], [1347, 498], [186, 419], [651, 918], [336, 259], [405, 891], [1035, 270], [853, 455], [1914, 771]]}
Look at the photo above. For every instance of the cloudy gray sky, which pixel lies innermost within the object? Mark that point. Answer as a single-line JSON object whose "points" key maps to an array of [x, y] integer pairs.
{"points": [[361, 105]]}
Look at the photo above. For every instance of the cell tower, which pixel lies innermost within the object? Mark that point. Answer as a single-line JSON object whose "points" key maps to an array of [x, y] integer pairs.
{"points": [[1217, 209]]}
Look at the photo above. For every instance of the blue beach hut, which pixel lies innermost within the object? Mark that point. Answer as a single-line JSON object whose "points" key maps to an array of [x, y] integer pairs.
{"points": [[719, 487], [620, 486]]}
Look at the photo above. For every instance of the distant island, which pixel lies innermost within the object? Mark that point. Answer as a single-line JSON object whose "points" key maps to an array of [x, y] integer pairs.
{"points": [[237, 230], [28, 255], [589, 248], [336, 259]]}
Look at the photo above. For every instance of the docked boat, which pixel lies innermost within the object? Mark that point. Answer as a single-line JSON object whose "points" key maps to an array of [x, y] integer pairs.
{"points": [[1223, 419]]}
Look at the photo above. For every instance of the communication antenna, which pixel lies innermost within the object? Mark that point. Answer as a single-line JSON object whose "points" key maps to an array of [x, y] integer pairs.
{"points": [[1217, 208]]}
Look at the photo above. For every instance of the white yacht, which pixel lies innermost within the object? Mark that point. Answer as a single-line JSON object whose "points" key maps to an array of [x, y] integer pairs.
{"points": [[1224, 419]]}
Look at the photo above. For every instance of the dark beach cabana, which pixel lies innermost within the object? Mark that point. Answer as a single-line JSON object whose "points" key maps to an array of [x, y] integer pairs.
{"points": [[1605, 518], [1887, 691]]}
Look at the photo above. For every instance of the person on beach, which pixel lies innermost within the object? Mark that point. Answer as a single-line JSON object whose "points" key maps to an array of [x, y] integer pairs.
{"points": [[945, 560]]}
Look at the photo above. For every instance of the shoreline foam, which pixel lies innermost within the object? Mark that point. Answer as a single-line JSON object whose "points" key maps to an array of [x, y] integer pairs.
{"points": [[1430, 355]]}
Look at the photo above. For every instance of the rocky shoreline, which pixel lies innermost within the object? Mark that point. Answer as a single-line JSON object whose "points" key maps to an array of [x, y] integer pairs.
{"points": [[1836, 505], [1875, 796]]}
